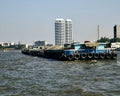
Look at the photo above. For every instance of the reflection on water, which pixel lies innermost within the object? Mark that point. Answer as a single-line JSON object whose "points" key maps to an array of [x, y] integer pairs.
{"points": [[22, 75]]}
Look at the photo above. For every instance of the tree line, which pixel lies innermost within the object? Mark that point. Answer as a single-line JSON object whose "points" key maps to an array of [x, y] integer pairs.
{"points": [[106, 40]]}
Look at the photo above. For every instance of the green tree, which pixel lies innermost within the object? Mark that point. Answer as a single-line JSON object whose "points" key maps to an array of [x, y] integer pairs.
{"points": [[115, 40], [103, 40], [1, 47]]}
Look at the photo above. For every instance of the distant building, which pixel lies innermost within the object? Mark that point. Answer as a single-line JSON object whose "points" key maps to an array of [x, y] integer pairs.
{"points": [[115, 45], [116, 31], [5, 44], [12, 43], [59, 31], [40, 43], [68, 31]]}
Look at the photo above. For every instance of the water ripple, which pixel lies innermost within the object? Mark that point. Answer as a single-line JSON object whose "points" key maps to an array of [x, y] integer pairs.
{"points": [[23, 75]]}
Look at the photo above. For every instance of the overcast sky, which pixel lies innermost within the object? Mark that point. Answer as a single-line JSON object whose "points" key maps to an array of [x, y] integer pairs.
{"points": [[30, 20]]}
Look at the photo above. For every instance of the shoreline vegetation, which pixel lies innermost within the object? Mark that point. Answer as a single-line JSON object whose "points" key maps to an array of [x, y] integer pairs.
{"points": [[14, 47]]}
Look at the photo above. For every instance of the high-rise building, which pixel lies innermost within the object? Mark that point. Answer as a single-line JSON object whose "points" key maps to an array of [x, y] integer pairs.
{"points": [[63, 31], [59, 31], [117, 31], [68, 31]]}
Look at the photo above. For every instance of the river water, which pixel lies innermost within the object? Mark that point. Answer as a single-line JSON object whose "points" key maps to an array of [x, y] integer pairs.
{"points": [[23, 75]]}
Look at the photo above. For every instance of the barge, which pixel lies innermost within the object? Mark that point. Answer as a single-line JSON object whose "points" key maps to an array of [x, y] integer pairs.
{"points": [[75, 51]]}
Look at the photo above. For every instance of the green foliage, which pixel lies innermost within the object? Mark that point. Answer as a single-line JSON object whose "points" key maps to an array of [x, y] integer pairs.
{"points": [[19, 47], [116, 40], [105, 40], [112, 40], [1, 47]]}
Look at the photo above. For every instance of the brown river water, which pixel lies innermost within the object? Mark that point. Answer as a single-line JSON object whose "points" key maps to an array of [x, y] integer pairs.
{"points": [[23, 75]]}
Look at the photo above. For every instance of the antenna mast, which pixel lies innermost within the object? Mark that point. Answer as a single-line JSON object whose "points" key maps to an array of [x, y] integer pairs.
{"points": [[98, 32]]}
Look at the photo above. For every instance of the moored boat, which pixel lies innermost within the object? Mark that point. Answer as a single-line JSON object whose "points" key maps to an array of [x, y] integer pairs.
{"points": [[77, 51]]}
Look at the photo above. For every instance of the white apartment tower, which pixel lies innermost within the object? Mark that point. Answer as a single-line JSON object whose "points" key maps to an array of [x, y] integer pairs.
{"points": [[68, 31], [63, 31], [59, 31]]}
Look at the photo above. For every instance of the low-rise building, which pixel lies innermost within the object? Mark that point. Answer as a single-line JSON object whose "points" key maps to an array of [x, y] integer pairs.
{"points": [[115, 45], [40, 43]]}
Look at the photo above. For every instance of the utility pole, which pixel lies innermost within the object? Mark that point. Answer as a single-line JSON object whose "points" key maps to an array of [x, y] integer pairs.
{"points": [[98, 32]]}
